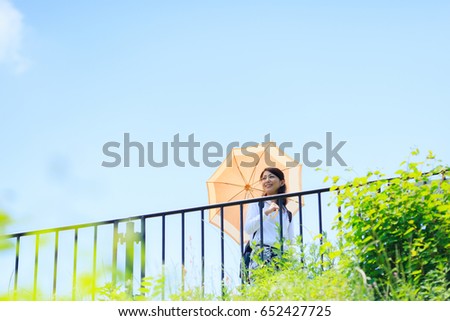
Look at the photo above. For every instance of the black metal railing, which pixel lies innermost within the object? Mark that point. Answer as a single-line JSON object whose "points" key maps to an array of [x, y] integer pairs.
{"points": [[134, 248]]}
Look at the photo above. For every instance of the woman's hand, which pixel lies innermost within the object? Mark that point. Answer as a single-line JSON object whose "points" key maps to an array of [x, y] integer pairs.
{"points": [[272, 208]]}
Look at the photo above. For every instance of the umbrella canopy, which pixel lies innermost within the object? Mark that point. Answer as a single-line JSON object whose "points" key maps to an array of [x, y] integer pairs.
{"points": [[237, 178]]}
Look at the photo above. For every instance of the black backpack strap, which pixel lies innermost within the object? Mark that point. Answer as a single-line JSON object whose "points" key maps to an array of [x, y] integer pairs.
{"points": [[248, 247], [289, 213]]}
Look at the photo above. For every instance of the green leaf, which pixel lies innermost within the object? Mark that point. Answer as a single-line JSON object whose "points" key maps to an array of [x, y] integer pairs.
{"points": [[409, 230], [367, 239]]}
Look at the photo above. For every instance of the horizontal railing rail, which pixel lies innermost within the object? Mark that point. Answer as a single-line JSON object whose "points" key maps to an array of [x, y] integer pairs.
{"points": [[139, 246], [166, 213]]}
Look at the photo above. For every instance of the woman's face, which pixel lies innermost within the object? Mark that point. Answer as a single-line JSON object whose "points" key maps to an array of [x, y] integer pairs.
{"points": [[270, 183]]}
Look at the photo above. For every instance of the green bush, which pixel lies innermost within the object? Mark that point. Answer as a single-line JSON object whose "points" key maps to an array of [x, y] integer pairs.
{"points": [[307, 273], [399, 229]]}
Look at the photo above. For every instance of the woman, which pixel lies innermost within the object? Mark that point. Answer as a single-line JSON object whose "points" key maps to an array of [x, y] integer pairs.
{"points": [[272, 180]]}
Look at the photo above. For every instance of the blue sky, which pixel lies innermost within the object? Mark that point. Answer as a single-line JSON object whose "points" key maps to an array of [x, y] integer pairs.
{"points": [[75, 75]]}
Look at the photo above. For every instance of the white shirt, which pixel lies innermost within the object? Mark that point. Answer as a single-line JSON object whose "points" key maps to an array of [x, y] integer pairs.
{"points": [[271, 225]]}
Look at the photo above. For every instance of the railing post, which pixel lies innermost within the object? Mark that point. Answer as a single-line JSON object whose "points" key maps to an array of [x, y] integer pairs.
{"points": [[16, 268], [300, 218], [75, 261], [300, 223], [143, 250], [202, 229], [36, 265], [280, 214], [183, 256], [241, 235], [163, 255], [129, 257], [94, 263], [261, 229], [55, 264], [114, 254], [222, 251], [319, 198]]}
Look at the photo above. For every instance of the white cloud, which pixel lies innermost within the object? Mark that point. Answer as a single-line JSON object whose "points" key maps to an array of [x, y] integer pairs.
{"points": [[11, 26]]}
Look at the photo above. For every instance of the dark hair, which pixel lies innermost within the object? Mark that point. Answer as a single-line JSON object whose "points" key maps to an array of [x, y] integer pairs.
{"points": [[278, 173]]}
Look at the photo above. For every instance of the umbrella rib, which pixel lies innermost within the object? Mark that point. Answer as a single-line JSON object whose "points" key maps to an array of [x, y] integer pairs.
{"points": [[231, 198], [239, 169], [252, 185], [254, 167], [259, 159], [250, 192], [226, 183]]}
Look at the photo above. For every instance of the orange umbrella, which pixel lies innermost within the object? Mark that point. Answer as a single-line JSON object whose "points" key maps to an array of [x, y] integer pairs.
{"points": [[237, 178]]}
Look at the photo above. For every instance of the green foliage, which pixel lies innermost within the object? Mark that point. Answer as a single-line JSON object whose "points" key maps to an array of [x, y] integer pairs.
{"points": [[4, 221], [307, 274], [152, 288], [399, 229], [113, 292]]}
